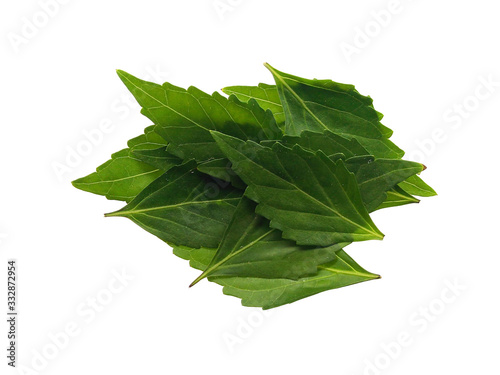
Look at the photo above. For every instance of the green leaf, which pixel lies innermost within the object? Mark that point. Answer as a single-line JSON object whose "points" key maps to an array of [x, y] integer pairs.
{"points": [[221, 169], [415, 186], [186, 117], [156, 157], [184, 206], [251, 248], [198, 258], [271, 293], [319, 105], [149, 140], [328, 142], [313, 200], [268, 98], [265, 95], [376, 177], [125, 175], [397, 197], [333, 144], [263, 189]]}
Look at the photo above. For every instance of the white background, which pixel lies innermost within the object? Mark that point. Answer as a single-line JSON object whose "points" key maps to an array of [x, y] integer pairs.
{"points": [[423, 62]]}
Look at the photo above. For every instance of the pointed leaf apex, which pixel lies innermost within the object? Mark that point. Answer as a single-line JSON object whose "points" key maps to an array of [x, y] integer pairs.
{"points": [[198, 279], [115, 213], [271, 69], [121, 73], [218, 136]]}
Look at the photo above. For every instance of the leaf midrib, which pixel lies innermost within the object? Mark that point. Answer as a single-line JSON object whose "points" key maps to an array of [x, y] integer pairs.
{"points": [[387, 173], [236, 93], [295, 94], [165, 105], [118, 179], [131, 212], [280, 78], [212, 268], [313, 278], [313, 198]]}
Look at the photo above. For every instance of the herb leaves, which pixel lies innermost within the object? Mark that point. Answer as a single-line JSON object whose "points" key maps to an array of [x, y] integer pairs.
{"points": [[261, 190]]}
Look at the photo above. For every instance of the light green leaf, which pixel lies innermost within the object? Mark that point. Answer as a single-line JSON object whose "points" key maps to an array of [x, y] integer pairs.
{"points": [[149, 140], [184, 206], [265, 95], [157, 157], [397, 197], [251, 248], [415, 186], [313, 200], [125, 175]]}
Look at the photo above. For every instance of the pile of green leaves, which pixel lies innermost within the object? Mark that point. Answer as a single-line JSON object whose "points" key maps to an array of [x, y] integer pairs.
{"points": [[261, 190]]}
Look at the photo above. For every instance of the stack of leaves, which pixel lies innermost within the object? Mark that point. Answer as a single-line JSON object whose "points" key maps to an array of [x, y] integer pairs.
{"points": [[261, 190]]}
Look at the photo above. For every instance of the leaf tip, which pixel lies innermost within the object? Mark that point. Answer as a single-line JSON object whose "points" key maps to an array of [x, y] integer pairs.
{"points": [[198, 279], [112, 214], [120, 73], [124, 76], [270, 68], [75, 183]]}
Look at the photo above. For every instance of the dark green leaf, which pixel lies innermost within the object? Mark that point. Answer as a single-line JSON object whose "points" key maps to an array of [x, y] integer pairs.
{"points": [[185, 117], [268, 98], [332, 144], [328, 142], [319, 105], [221, 169], [271, 293], [313, 200], [185, 207], [376, 177], [250, 248], [268, 294]]}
